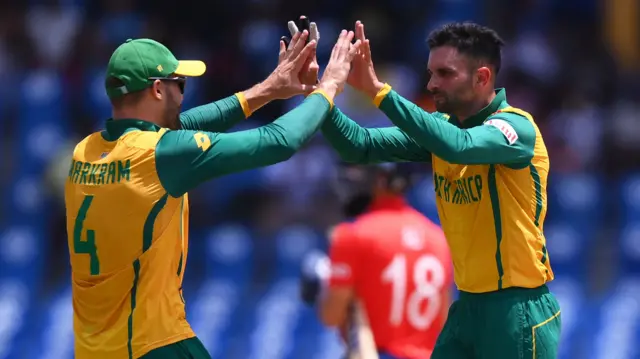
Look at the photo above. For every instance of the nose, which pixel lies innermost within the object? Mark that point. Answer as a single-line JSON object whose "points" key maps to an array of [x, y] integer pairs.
{"points": [[432, 85]]}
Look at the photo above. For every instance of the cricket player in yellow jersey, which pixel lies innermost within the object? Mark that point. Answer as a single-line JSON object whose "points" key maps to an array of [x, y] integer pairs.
{"points": [[126, 192], [490, 168]]}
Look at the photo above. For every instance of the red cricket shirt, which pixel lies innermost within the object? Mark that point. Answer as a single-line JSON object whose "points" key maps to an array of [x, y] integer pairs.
{"points": [[398, 263]]}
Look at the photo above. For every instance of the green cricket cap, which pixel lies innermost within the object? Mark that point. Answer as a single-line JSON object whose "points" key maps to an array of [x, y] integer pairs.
{"points": [[135, 61]]}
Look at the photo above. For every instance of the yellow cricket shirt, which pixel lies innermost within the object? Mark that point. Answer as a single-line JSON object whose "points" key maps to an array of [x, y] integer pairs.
{"points": [[490, 178], [127, 216]]}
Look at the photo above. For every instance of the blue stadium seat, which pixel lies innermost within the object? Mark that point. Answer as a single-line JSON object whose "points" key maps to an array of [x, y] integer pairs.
{"points": [[9, 97], [458, 10], [52, 337], [630, 247], [41, 126], [313, 340], [244, 322], [577, 199], [120, 26], [16, 302], [96, 100], [198, 256], [292, 243], [212, 312], [630, 198], [614, 324], [257, 37], [276, 316], [22, 254], [43, 117], [567, 246], [423, 197], [26, 199], [230, 253], [41, 130], [305, 337]]}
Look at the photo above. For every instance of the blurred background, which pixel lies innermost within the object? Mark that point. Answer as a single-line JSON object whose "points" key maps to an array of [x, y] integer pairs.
{"points": [[574, 64]]}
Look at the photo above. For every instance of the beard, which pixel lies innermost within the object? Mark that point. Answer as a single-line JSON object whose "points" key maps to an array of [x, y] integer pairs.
{"points": [[448, 104], [454, 100], [174, 120], [172, 114]]}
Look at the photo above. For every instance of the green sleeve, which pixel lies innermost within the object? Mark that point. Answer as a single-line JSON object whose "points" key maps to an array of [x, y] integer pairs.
{"points": [[217, 116], [357, 144], [486, 144], [186, 158]]}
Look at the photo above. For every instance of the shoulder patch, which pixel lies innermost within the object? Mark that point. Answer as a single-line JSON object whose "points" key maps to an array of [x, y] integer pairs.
{"points": [[507, 130]]}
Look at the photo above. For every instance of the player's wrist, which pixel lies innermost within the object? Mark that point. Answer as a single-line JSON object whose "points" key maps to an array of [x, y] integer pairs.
{"points": [[330, 88], [373, 90], [259, 95]]}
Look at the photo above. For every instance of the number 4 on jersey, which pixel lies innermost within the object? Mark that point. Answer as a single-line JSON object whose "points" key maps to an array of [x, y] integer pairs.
{"points": [[428, 279], [89, 245]]}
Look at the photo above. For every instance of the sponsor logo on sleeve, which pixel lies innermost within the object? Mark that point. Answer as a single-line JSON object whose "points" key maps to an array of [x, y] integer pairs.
{"points": [[507, 130]]}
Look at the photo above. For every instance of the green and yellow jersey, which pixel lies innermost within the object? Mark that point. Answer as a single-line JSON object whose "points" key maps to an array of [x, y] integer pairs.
{"points": [[127, 216], [490, 177]]}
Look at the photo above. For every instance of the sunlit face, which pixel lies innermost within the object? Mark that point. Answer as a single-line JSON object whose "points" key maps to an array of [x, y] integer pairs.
{"points": [[453, 80]]}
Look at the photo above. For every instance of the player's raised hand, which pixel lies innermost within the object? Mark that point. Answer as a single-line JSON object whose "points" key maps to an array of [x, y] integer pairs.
{"points": [[284, 81], [309, 73], [337, 70], [363, 75]]}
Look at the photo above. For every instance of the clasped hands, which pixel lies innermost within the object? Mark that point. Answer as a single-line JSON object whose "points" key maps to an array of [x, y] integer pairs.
{"points": [[350, 63]]}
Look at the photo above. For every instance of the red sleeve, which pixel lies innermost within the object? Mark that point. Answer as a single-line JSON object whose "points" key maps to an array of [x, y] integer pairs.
{"points": [[343, 254]]}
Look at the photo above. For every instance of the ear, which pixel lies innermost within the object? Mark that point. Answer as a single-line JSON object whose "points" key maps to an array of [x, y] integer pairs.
{"points": [[484, 76], [157, 90]]}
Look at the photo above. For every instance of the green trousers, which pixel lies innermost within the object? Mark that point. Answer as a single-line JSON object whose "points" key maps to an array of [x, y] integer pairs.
{"points": [[513, 323], [191, 348]]}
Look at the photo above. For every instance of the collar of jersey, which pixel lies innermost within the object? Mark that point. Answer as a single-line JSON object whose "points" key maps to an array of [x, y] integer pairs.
{"points": [[480, 117], [117, 128]]}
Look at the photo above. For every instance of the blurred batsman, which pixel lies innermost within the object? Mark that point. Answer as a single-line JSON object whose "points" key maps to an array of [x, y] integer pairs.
{"points": [[126, 191], [389, 262]]}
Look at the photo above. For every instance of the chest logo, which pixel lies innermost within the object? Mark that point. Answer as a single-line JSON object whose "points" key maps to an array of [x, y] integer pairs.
{"points": [[463, 190]]}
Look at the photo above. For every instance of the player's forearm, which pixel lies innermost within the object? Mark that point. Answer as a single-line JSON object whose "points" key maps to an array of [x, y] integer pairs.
{"points": [[479, 145], [218, 116], [272, 143], [357, 144], [279, 140], [346, 137], [184, 159], [269, 144], [257, 97], [221, 115]]}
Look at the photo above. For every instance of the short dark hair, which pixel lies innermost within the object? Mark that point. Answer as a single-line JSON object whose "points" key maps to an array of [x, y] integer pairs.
{"points": [[478, 42], [129, 99]]}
